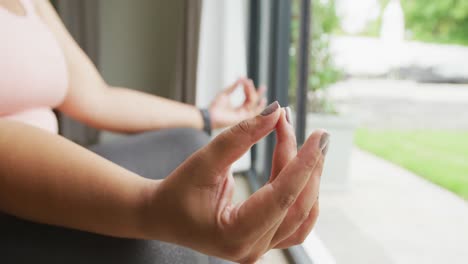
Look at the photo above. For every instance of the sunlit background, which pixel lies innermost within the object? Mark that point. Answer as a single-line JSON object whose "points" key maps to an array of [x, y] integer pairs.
{"points": [[389, 79]]}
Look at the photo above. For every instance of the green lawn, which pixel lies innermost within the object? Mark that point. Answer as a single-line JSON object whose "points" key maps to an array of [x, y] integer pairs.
{"points": [[439, 156]]}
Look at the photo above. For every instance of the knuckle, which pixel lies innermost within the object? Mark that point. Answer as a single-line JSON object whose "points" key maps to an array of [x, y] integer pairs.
{"points": [[320, 162], [302, 215], [300, 239], [293, 143], [286, 201], [309, 162], [290, 142], [237, 251], [297, 239], [244, 127]]}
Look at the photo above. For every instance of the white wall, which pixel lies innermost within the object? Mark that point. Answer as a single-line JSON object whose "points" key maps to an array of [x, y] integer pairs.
{"points": [[222, 54]]}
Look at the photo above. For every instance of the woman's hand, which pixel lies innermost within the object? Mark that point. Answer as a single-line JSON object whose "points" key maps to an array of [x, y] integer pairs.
{"points": [[222, 112], [193, 206]]}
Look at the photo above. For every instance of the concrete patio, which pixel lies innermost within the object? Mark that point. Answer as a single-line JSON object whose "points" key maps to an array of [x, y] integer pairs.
{"points": [[389, 215], [402, 104]]}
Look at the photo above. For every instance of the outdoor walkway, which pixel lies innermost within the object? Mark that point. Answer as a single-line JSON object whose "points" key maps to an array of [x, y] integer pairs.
{"points": [[398, 104], [390, 215], [364, 56]]}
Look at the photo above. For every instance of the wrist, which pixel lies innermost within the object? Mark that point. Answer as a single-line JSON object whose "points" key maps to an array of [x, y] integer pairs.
{"points": [[147, 224]]}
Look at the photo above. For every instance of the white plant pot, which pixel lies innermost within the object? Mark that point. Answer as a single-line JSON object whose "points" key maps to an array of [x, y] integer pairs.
{"points": [[341, 129]]}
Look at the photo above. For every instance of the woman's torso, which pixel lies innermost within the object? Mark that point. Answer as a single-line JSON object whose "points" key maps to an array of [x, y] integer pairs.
{"points": [[33, 72]]}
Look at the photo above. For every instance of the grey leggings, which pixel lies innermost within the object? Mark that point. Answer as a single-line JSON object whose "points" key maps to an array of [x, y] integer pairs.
{"points": [[152, 155]]}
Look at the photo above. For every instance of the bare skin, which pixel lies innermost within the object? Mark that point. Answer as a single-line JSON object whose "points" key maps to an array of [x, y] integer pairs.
{"points": [[60, 187], [92, 101], [66, 185], [13, 7]]}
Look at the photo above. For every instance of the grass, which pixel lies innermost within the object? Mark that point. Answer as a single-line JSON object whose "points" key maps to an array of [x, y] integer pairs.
{"points": [[438, 156]]}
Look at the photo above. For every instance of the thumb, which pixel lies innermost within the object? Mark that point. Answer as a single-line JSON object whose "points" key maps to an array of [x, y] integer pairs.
{"points": [[230, 145]]}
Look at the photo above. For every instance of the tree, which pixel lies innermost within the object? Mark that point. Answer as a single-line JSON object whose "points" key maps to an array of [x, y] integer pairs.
{"points": [[322, 72], [444, 21]]}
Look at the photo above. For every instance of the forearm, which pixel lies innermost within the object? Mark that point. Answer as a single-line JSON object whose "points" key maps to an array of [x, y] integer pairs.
{"points": [[129, 111], [48, 179], [133, 111]]}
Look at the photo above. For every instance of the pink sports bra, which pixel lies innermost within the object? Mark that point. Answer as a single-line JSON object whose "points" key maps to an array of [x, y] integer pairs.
{"points": [[33, 71]]}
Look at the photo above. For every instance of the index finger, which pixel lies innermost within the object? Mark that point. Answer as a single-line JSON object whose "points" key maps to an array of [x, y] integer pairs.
{"points": [[263, 209], [230, 89], [286, 146], [250, 92]]}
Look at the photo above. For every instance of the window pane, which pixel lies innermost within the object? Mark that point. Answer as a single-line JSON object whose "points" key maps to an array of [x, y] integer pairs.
{"points": [[384, 82]]}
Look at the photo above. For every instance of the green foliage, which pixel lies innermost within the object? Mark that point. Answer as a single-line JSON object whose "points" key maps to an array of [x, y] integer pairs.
{"points": [[440, 21], [444, 21], [438, 156], [372, 28], [322, 72], [324, 22]]}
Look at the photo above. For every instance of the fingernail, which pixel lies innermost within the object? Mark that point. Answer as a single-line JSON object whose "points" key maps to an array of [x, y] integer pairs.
{"points": [[270, 109], [287, 110], [324, 143]]}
